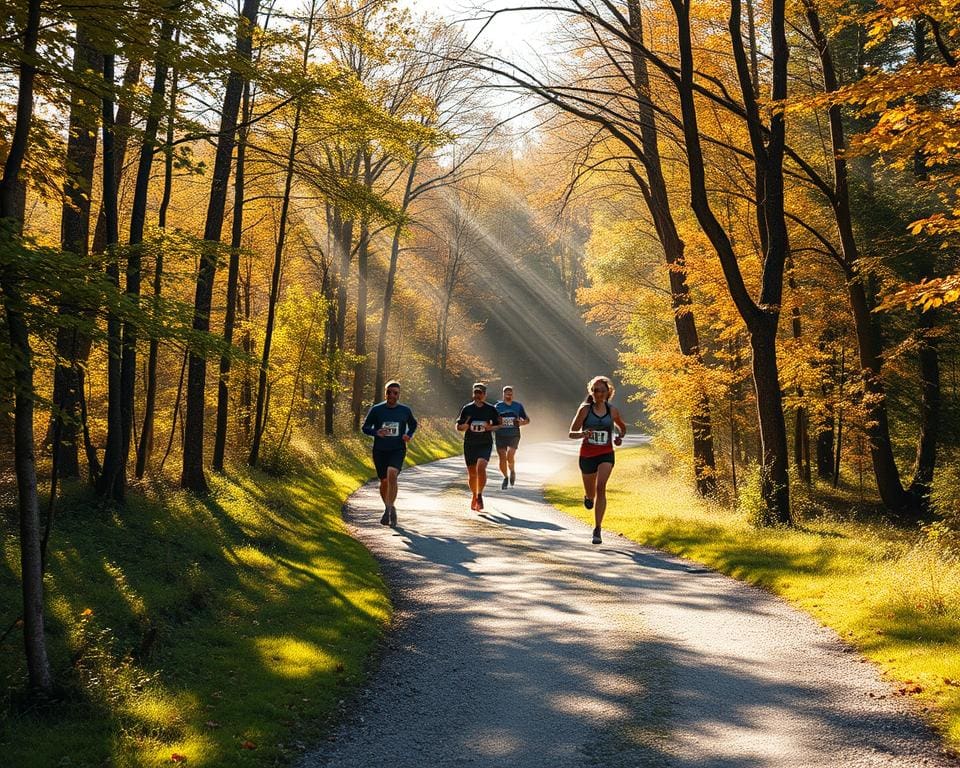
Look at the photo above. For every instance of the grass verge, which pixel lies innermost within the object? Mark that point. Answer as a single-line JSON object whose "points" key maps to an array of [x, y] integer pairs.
{"points": [[892, 594], [214, 632]]}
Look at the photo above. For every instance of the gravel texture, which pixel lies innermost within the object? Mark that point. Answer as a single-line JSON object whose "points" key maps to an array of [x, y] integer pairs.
{"points": [[518, 643]]}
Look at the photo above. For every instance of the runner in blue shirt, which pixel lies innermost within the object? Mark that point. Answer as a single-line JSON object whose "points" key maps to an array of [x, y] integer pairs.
{"points": [[391, 425], [512, 417]]}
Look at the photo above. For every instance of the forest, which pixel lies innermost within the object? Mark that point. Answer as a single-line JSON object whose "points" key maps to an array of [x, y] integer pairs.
{"points": [[224, 227]]}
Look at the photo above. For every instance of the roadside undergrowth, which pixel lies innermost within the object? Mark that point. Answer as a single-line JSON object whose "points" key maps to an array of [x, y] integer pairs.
{"points": [[223, 631], [892, 593]]}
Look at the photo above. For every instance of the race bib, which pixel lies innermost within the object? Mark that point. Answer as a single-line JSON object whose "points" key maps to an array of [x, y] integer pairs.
{"points": [[509, 421], [478, 426], [392, 428], [599, 437]]}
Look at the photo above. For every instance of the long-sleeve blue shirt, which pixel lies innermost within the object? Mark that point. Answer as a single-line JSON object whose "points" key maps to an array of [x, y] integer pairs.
{"points": [[399, 420]]}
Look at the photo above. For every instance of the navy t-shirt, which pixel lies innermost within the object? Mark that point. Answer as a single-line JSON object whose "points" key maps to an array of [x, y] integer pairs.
{"points": [[399, 420], [508, 417], [477, 416]]}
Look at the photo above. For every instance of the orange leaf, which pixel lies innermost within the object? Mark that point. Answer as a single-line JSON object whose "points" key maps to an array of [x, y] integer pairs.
{"points": [[176, 757], [87, 612], [248, 745]]}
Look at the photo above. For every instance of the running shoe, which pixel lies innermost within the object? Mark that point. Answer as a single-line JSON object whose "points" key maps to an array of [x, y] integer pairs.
{"points": [[385, 520], [588, 502], [393, 517], [503, 485], [596, 536], [513, 476], [479, 502]]}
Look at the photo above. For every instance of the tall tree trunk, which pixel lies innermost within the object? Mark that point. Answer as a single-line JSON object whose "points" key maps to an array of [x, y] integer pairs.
{"points": [[658, 203], [11, 213], [121, 138], [761, 318], [839, 446], [380, 374], [108, 484], [73, 342], [114, 477], [926, 460], [192, 477], [259, 424], [870, 349], [246, 344], [773, 429], [360, 342], [233, 279], [145, 446]]}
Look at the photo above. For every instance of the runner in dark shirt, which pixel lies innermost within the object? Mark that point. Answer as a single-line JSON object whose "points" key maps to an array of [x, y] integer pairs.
{"points": [[478, 420], [512, 417], [391, 425]]}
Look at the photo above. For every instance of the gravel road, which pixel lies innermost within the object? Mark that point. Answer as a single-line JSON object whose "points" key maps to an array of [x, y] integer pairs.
{"points": [[517, 643]]}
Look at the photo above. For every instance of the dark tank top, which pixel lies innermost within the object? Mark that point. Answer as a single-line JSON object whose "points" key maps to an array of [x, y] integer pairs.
{"points": [[601, 443]]}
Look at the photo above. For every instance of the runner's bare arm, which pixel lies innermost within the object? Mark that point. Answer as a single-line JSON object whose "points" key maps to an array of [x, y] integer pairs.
{"points": [[576, 428], [621, 425]]}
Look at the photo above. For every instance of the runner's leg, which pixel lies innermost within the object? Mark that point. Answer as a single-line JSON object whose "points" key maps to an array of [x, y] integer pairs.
{"points": [[391, 480], [590, 485], [481, 480], [502, 453], [603, 474], [472, 478]]}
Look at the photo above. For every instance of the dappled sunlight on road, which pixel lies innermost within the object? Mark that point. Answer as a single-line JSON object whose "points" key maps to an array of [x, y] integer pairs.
{"points": [[518, 643]]}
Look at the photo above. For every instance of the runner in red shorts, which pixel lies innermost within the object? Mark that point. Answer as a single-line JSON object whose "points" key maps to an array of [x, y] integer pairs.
{"points": [[599, 426]]}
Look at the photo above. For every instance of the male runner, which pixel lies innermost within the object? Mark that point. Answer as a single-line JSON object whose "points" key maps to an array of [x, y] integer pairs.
{"points": [[512, 417], [477, 420], [391, 425]]}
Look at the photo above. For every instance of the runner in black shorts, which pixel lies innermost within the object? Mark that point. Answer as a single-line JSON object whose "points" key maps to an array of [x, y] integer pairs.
{"points": [[512, 417], [478, 420], [599, 426], [391, 425]]}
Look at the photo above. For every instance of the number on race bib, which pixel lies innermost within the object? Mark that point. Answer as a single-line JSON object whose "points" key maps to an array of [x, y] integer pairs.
{"points": [[478, 426], [599, 437], [509, 421], [392, 427]]}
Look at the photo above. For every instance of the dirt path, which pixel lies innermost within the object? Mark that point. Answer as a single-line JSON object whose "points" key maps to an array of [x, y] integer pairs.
{"points": [[518, 643]]}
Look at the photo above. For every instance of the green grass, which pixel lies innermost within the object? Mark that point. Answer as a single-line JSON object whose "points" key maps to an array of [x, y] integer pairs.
{"points": [[891, 593], [224, 630]]}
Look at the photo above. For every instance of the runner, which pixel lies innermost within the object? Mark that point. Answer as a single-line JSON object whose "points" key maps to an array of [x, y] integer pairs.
{"points": [[512, 417], [594, 425], [477, 420], [391, 425]]}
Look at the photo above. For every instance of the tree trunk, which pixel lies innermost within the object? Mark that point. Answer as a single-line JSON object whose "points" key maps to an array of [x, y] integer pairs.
{"points": [[145, 446], [115, 471], [259, 424], [380, 376], [233, 279], [11, 212], [360, 343], [658, 203], [761, 317], [889, 485], [773, 430], [192, 477], [926, 461], [73, 343], [121, 138], [110, 483], [894, 497]]}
